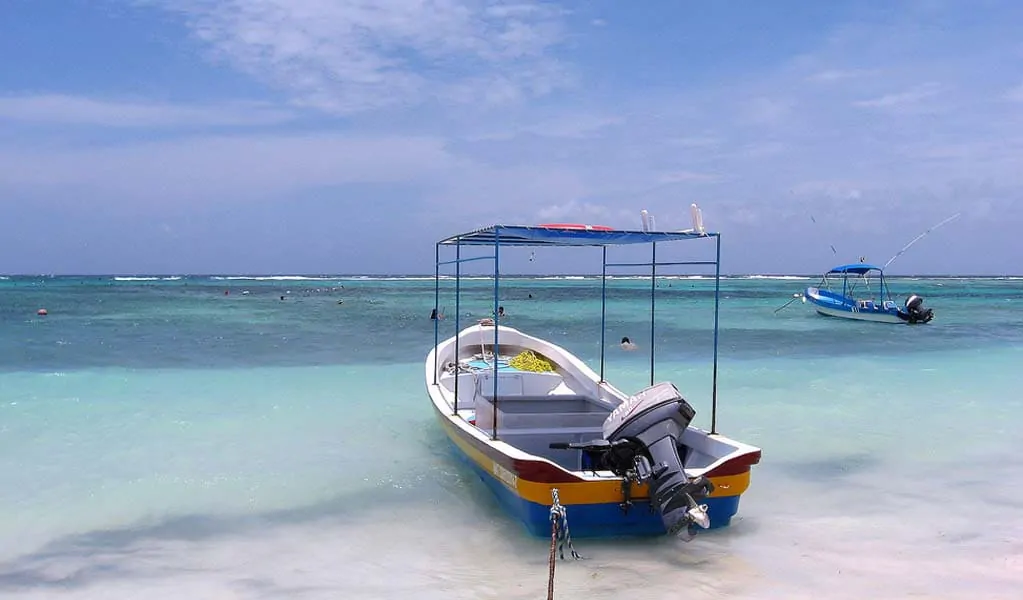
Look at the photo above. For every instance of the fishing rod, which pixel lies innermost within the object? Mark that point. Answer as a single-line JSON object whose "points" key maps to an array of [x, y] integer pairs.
{"points": [[918, 238], [794, 298]]}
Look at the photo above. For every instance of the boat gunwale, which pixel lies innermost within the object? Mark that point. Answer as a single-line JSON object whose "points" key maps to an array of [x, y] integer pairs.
{"points": [[739, 459]]}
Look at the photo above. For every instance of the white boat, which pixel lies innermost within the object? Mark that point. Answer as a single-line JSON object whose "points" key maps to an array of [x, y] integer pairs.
{"points": [[545, 431]]}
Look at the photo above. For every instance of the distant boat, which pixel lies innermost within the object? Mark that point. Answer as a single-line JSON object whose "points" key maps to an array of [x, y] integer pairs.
{"points": [[857, 301]]}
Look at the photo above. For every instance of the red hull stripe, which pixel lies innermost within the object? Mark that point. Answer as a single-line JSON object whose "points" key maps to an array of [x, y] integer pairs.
{"points": [[737, 465]]}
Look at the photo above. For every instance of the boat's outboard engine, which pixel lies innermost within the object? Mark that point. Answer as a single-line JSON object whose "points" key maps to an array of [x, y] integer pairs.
{"points": [[915, 311], [642, 442]]}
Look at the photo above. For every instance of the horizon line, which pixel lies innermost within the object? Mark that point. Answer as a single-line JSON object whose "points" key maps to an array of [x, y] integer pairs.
{"points": [[488, 275]]}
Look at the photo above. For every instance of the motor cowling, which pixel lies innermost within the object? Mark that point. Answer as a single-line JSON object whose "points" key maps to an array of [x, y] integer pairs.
{"points": [[914, 311], [642, 442]]}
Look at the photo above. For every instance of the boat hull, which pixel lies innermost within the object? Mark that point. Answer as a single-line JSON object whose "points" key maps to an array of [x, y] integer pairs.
{"points": [[830, 304], [523, 488], [858, 316]]}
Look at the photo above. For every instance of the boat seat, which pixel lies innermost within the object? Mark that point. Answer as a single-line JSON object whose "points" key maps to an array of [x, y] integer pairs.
{"points": [[547, 413], [538, 442]]}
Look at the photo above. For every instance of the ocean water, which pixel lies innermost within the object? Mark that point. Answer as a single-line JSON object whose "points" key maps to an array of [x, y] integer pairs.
{"points": [[200, 437]]}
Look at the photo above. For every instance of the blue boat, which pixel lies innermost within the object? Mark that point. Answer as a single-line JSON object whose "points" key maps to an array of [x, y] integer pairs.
{"points": [[857, 299]]}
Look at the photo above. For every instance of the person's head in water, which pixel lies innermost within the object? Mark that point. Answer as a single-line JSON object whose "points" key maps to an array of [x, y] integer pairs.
{"points": [[433, 314], [627, 344], [500, 311]]}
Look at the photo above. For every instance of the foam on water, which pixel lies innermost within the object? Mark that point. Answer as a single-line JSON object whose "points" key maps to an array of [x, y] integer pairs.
{"points": [[162, 440]]}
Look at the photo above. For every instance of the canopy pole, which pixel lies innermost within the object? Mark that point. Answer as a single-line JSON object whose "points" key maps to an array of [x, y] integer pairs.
{"points": [[603, 307], [717, 301], [497, 317], [458, 314], [653, 287], [436, 311]]}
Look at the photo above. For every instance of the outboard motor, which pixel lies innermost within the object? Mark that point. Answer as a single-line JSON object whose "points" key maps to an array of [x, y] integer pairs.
{"points": [[915, 311], [642, 442]]}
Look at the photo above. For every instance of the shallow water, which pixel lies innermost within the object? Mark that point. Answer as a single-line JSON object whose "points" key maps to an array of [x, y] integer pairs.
{"points": [[162, 439]]}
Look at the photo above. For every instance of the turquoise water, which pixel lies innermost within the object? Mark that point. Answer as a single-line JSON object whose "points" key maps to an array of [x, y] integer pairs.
{"points": [[162, 439]]}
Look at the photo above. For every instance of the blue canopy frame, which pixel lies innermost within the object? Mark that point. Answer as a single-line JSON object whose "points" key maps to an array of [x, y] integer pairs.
{"points": [[859, 269], [497, 236]]}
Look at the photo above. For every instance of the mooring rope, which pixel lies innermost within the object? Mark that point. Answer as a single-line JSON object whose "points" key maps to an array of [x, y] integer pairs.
{"points": [[560, 536], [554, 543]]}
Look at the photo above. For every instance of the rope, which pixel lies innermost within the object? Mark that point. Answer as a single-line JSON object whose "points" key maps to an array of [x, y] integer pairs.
{"points": [[560, 536], [527, 360], [554, 543], [559, 514]]}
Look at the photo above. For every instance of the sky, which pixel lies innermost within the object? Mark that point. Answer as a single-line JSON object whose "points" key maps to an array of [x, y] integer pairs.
{"points": [[348, 136]]}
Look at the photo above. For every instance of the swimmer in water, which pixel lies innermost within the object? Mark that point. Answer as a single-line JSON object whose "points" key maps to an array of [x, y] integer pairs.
{"points": [[627, 344]]}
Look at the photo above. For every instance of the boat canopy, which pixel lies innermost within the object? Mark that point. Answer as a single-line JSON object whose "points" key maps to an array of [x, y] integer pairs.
{"points": [[537, 235], [569, 235], [857, 268]]}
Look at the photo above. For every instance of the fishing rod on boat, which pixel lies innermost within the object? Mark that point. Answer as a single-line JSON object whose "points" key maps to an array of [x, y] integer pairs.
{"points": [[795, 297], [918, 238]]}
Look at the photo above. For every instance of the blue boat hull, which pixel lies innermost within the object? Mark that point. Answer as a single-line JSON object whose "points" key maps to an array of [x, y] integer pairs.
{"points": [[835, 305]]}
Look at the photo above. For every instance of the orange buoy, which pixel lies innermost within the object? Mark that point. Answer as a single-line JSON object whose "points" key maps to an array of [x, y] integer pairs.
{"points": [[41, 312]]}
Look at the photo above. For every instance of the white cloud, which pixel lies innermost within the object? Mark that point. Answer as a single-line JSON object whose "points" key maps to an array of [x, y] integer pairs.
{"points": [[348, 56], [575, 211], [576, 125], [203, 169], [79, 110], [1015, 94], [911, 97], [683, 176], [836, 75], [767, 111], [836, 190], [695, 141]]}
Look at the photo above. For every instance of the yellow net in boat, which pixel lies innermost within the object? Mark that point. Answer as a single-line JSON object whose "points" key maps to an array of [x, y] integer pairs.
{"points": [[527, 360]]}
